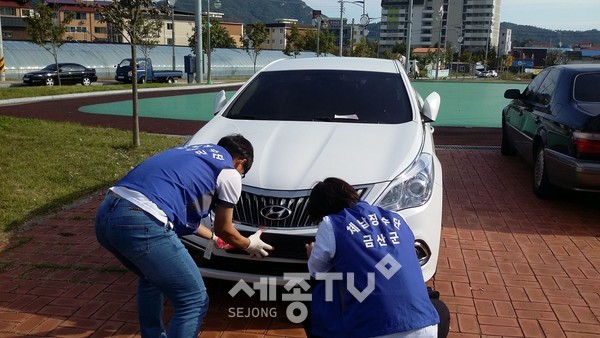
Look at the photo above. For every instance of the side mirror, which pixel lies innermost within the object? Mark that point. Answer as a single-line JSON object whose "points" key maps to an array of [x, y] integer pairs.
{"points": [[220, 101], [431, 107], [512, 94]]}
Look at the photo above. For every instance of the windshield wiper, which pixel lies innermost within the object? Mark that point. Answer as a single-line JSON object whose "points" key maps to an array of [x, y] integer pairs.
{"points": [[244, 117], [337, 118]]}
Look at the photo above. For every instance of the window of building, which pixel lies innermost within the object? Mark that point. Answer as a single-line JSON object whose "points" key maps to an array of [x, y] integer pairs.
{"points": [[80, 16], [169, 26], [169, 41], [7, 34], [100, 30], [27, 12], [97, 17], [8, 11]]}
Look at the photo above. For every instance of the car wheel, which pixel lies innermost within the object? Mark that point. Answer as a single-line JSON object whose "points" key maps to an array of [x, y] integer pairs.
{"points": [[86, 81], [542, 187], [170, 80], [506, 148], [142, 79], [50, 81]]}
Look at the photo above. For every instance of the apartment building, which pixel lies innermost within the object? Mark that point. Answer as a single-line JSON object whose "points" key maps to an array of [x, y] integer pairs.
{"points": [[87, 26], [460, 24]]}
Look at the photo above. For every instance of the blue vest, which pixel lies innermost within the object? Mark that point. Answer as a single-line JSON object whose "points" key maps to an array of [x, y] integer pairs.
{"points": [[365, 236], [181, 182]]}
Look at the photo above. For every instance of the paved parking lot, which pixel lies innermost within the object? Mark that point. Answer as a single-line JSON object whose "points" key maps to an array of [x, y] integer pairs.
{"points": [[510, 265]]}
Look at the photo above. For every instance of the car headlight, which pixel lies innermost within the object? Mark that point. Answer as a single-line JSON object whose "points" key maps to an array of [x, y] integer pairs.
{"points": [[412, 188], [129, 73]]}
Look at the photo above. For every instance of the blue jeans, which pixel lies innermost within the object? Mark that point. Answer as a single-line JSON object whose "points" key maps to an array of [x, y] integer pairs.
{"points": [[162, 263]]}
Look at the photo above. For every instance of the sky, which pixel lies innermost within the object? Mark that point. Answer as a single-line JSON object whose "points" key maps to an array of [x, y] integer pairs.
{"points": [[550, 14]]}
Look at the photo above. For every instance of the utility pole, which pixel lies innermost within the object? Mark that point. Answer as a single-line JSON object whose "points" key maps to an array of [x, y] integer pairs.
{"points": [[440, 20], [341, 26], [199, 53], [408, 33]]}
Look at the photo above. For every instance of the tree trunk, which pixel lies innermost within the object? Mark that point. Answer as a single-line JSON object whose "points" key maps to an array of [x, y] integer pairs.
{"points": [[55, 54], [134, 97]]}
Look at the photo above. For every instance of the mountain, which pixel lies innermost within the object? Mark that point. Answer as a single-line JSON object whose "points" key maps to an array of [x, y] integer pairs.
{"points": [[524, 35]]}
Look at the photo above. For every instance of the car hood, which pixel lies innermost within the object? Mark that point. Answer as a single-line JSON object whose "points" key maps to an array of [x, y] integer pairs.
{"points": [[295, 155]]}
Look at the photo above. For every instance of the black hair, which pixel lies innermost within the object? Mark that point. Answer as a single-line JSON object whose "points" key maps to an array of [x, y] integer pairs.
{"points": [[330, 196], [238, 147]]}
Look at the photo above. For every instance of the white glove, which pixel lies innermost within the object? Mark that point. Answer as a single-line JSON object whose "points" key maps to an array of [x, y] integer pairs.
{"points": [[257, 248]]}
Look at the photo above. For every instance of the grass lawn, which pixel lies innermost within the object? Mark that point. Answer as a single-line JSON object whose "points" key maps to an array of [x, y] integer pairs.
{"points": [[46, 165]]}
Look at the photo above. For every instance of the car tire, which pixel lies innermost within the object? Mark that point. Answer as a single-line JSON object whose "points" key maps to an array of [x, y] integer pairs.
{"points": [[542, 187], [50, 81], [86, 81], [142, 79], [506, 148], [170, 80]]}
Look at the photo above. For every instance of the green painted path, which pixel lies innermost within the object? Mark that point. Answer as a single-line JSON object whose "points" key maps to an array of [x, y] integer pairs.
{"points": [[464, 104]]}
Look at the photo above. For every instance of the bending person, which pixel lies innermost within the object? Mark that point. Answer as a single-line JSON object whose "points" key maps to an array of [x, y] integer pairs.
{"points": [[369, 281], [164, 197]]}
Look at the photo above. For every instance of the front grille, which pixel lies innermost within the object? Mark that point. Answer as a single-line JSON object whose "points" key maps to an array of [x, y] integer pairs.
{"points": [[276, 208]]}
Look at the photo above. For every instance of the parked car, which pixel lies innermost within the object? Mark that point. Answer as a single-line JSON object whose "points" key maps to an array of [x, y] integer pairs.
{"points": [[486, 73], [555, 125], [358, 119], [70, 73]]}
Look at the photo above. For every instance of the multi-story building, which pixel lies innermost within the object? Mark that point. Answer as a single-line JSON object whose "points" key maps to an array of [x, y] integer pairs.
{"points": [[87, 25], [462, 24], [278, 32]]}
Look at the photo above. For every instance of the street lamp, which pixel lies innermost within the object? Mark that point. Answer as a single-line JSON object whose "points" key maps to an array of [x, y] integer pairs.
{"points": [[488, 32], [199, 54], [358, 3], [319, 22], [440, 17], [172, 4]]}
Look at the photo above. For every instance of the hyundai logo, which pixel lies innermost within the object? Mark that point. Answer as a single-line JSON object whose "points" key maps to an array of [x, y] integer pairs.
{"points": [[275, 212]]}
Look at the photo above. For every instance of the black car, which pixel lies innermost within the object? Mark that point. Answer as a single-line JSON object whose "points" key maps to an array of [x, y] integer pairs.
{"points": [[70, 73], [555, 125]]}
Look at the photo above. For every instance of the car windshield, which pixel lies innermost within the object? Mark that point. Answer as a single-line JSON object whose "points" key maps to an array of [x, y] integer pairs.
{"points": [[50, 67], [324, 95], [125, 63], [586, 87]]}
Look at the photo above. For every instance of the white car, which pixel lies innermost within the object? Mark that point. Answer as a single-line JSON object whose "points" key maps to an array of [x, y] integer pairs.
{"points": [[358, 119]]}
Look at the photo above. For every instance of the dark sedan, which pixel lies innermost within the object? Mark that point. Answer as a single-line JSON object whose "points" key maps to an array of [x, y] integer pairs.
{"points": [[70, 73], [555, 125]]}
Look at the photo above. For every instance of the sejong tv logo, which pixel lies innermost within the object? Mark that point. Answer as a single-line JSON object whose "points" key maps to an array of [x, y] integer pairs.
{"points": [[297, 286]]}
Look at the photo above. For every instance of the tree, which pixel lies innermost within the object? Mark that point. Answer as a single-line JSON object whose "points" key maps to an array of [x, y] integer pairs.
{"points": [[294, 42], [219, 37], [48, 31], [365, 48], [137, 21], [256, 35], [148, 41]]}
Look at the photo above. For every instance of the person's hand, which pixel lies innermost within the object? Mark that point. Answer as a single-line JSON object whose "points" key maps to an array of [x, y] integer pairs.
{"points": [[309, 248], [258, 248], [221, 244]]}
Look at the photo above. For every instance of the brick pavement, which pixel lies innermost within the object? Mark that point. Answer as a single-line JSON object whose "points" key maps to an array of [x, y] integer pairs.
{"points": [[510, 265]]}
